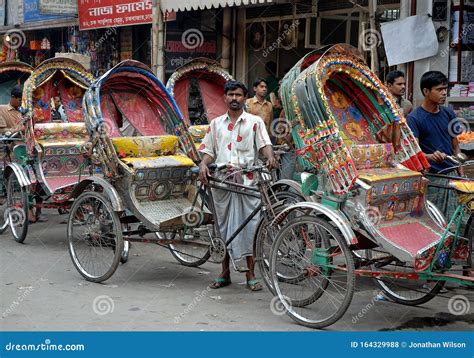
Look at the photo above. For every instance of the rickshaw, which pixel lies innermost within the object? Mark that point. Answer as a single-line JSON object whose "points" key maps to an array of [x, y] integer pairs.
{"points": [[49, 164], [11, 74], [149, 191], [198, 89], [368, 214]]}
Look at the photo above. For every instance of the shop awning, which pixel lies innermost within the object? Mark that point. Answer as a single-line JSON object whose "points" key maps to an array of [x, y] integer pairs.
{"points": [[173, 5]]}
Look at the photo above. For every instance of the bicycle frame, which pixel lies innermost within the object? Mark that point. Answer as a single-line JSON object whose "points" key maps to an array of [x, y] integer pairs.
{"points": [[262, 190]]}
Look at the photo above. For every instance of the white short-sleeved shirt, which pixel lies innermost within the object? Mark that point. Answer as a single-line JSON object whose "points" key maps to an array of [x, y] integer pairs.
{"points": [[236, 145]]}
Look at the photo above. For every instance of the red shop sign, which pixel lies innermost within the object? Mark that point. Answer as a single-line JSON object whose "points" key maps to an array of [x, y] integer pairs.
{"points": [[95, 14]]}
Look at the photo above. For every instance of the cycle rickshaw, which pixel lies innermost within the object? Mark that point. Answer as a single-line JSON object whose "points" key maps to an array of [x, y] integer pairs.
{"points": [[11, 74], [149, 192], [368, 214], [49, 164]]}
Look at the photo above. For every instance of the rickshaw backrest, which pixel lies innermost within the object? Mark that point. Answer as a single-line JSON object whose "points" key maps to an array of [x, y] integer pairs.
{"points": [[370, 156], [60, 132], [149, 146]]}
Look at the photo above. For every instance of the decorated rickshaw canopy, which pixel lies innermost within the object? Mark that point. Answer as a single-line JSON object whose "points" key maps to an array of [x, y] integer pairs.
{"points": [[61, 77], [130, 100], [208, 78], [11, 74], [332, 100]]}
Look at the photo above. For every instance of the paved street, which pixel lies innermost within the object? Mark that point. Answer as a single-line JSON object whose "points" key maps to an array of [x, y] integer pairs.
{"points": [[41, 290]]}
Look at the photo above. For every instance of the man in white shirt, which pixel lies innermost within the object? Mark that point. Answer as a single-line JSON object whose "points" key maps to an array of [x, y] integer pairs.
{"points": [[236, 139]]}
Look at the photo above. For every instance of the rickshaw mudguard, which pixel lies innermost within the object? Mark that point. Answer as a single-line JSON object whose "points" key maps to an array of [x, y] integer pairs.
{"points": [[109, 191], [337, 217], [14, 168]]}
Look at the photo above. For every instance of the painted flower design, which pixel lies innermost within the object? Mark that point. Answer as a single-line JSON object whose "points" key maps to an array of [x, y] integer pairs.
{"points": [[355, 130], [339, 100]]}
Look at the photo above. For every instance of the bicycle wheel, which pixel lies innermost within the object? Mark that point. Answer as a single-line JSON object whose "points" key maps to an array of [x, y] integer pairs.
{"points": [[126, 252], [324, 271], [3, 210], [404, 291], [95, 237], [17, 211], [190, 249]]}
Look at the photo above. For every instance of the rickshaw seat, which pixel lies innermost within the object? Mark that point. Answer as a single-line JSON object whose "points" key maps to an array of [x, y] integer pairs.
{"points": [[463, 186], [151, 152], [198, 132]]}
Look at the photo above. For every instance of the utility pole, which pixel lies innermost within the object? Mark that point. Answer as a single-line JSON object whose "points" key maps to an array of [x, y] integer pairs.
{"points": [[157, 40]]}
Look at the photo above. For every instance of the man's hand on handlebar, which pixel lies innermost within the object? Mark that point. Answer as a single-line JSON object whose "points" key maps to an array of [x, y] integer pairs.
{"points": [[437, 157], [204, 171]]}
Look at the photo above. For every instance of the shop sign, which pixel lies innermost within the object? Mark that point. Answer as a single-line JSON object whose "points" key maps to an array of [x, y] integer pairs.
{"points": [[31, 12], [95, 14], [60, 7], [183, 47]]}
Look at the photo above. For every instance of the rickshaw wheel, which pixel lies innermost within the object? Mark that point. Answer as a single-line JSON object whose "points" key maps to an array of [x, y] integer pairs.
{"points": [[17, 211], [403, 291], [264, 236], [125, 253], [3, 215], [95, 237], [183, 253], [325, 271]]}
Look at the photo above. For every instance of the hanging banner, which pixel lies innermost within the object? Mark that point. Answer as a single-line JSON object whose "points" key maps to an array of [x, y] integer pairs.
{"points": [[58, 7], [95, 14], [31, 12]]}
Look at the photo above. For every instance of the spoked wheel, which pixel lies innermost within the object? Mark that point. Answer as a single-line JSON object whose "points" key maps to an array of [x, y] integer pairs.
{"points": [[404, 291], [265, 234], [3, 213], [191, 249], [313, 253], [17, 211], [95, 237]]}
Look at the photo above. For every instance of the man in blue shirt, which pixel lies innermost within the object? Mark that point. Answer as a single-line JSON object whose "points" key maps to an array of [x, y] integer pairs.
{"points": [[433, 124]]}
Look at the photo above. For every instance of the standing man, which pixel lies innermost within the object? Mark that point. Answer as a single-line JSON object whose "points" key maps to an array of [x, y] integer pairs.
{"points": [[396, 85], [10, 115], [259, 106], [432, 124], [235, 139]]}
